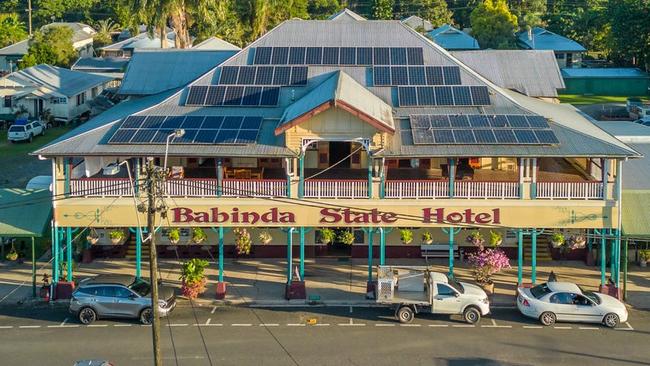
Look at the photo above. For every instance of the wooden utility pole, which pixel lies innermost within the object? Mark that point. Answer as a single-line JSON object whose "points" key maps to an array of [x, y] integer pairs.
{"points": [[29, 13], [153, 261]]}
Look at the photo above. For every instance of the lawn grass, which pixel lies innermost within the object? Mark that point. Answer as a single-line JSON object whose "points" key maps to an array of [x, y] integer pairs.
{"points": [[8, 149], [594, 99]]}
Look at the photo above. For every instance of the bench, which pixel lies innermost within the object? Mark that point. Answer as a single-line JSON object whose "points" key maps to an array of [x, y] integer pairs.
{"points": [[439, 251]]}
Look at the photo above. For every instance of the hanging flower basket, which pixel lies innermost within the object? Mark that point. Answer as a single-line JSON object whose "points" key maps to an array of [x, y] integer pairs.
{"points": [[426, 238], [174, 235], [117, 236], [476, 238], [557, 240], [406, 236], [12, 255], [327, 236], [346, 237], [495, 239], [198, 235], [265, 237], [242, 241], [577, 241], [92, 237]]}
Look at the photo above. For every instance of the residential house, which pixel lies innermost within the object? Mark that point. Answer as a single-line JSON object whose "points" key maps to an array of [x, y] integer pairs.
{"points": [[346, 15], [108, 66], [567, 51], [453, 39], [606, 81], [126, 47], [215, 44], [417, 23]]}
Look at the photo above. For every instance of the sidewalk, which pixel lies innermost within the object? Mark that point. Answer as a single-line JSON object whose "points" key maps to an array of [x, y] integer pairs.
{"points": [[329, 281]]}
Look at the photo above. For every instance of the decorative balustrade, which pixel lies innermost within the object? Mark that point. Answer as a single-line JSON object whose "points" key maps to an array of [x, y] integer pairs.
{"points": [[100, 187], [477, 189], [254, 188], [330, 188], [416, 189], [570, 190], [190, 187]]}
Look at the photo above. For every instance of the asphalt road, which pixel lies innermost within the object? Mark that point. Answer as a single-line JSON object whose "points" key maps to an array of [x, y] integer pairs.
{"points": [[340, 336]]}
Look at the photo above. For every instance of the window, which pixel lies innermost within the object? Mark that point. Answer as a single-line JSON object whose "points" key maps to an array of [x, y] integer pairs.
{"points": [[540, 290], [81, 98], [563, 298], [7, 101], [105, 291], [581, 300], [444, 290], [122, 292], [559, 56], [93, 92], [88, 290]]}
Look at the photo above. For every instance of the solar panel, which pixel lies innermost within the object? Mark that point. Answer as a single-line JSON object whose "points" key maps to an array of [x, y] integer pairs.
{"points": [[422, 136], [297, 55], [364, 56], [480, 95], [462, 95], [232, 122], [247, 136], [546, 137], [426, 96], [161, 136], [518, 121], [485, 136], [443, 137], [415, 56], [444, 95], [398, 56], [205, 136], [348, 56], [133, 122], [407, 96], [280, 56], [233, 95], [264, 75], [314, 55], [192, 122], [458, 120], [399, 76], [440, 121], [478, 120], [451, 74], [246, 75], [215, 95], [252, 95], [282, 75], [434, 75], [226, 137], [505, 136], [173, 122], [153, 122], [196, 95], [251, 123], [229, 75], [330, 56], [498, 120], [212, 122], [262, 56], [187, 138], [299, 75], [420, 121], [537, 122], [381, 75], [464, 137], [417, 75], [122, 136], [526, 136], [270, 96], [381, 56]]}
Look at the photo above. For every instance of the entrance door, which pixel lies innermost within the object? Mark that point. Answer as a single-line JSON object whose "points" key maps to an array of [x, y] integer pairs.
{"points": [[445, 301], [339, 150]]}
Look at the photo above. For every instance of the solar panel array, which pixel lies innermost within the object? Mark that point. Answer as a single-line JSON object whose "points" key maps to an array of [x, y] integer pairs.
{"points": [[263, 75], [411, 96], [481, 129], [416, 75], [352, 56], [233, 96], [198, 130]]}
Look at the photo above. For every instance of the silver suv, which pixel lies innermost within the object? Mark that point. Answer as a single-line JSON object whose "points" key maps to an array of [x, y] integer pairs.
{"points": [[118, 296]]}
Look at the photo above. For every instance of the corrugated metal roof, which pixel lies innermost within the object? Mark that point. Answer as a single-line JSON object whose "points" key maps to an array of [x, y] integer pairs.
{"points": [[635, 219], [142, 40], [100, 63], [534, 73], [63, 81], [153, 71], [346, 14], [543, 39], [603, 72], [80, 31], [19, 204], [216, 44], [416, 22], [636, 172], [626, 131], [451, 38], [18, 48]]}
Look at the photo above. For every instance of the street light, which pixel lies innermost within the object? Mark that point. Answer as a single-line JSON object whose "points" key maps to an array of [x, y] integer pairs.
{"points": [[176, 134]]}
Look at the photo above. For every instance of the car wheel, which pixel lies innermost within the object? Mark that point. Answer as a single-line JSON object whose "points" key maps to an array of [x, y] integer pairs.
{"points": [[31, 137], [611, 320], [405, 315], [547, 318], [43, 132], [87, 316], [471, 315], [146, 316]]}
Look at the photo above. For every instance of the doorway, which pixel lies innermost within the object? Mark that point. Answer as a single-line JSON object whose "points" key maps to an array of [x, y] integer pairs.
{"points": [[339, 150]]}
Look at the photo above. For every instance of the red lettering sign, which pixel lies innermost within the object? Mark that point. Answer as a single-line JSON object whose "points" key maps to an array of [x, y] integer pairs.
{"points": [[467, 216], [272, 216]]}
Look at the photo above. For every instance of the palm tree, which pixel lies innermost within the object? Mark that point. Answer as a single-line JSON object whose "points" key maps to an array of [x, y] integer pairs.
{"points": [[12, 29], [105, 28]]}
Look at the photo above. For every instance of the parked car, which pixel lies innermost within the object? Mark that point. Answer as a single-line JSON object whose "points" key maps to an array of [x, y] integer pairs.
{"points": [[25, 131], [118, 296], [565, 301]]}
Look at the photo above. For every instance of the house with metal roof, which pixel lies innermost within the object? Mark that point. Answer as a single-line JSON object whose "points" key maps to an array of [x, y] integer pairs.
{"points": [[417, 22], [606, 81], [322, 124], [107, 66], [453, 39], [567, 51], [346, 15], [144, 40], [64, 93], [215, 44]]}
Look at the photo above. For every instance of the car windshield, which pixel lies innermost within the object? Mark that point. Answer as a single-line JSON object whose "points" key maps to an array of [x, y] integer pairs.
{"points": [[455, 284], [140, 287], [17, 129], [592, 296], [540, 290]]}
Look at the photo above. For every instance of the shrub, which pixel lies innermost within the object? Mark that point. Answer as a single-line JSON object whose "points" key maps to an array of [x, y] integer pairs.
{"points": [[193, 277], [486, 263]]}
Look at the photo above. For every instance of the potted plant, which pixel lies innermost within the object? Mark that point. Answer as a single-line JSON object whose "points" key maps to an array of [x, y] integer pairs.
{"points": [[346, 237], [327, 236], [265, 237], [92, 237], [577, 241], [12, 255], [495, 238], [486, 263], [174, 235], [426, 238], [644, 256], [557, 239], [117, 236], [242, 241], [198, 235], [406, 236], [476, 238], [193, 278]]}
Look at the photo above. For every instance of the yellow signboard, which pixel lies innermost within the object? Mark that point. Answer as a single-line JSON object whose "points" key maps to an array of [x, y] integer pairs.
{"points": [[336, 213]]}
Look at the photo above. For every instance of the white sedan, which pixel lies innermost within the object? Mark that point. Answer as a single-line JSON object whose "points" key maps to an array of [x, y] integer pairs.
{"points": [[564, 301]]}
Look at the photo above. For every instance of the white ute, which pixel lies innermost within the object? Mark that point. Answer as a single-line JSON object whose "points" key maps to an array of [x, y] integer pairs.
{"points": [[416, 289], [25, 131]]}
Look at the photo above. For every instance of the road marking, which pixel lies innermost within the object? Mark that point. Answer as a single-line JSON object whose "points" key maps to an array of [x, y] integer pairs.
{"points": [[463, 325], [6, 326], [322, 325], [295, 325], [177, 325], [533, 326], [241, 325], [384, 325], [207, 322], [629, 327], [214, 308], [97, 325], [270, 325], [64, 326], [494, 325], [439, 325], [63, 322], [126, 325], [208, 325], [589, 328], [562, 328], [29, 326], [410, 325]]}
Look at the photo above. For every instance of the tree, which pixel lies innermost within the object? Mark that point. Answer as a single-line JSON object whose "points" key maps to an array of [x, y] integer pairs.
{"points": [[12, 29], [630, 32], [52, 46], [104, 28], [587, 24], [493, 25], [382, 9], [322, 9], [528, 12], [226, 26], [48, 11], [436, 12]]}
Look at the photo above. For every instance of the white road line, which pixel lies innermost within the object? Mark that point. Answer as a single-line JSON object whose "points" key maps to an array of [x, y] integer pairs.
{"points": [[270, 325], [29, 326], [177, 325], [97, 325], [494, 325], [629, 327], [589, 328], [439, 325], [384, 325], [462, 325], [322, 325], [214, 308], [295, 325], [6, 326], [533, 326], [208, 325], [241, 325], [63, 326], [63, 322], [562, 327], [410, 325], [207, 322], [351, 325], [126, 325], [494, 322]]}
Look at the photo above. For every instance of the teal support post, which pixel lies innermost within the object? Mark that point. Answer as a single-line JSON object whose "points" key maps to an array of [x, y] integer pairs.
{"points": [[138, 252], [612, 257], [220, 253], [136, 176], [68, 243], [521, 167], [603, 257], [302, 253], [520, 257], [533, 260], [55, 257], [382, 246], [289, 254], [370, 235], [533, 183], [66, 174], [451, 232], [369, 175], [61, 252], [288, 178], [452, 176], [616, 258], [33, 269], [219, 178], [605, 176], [382, 182], [301, 181]]}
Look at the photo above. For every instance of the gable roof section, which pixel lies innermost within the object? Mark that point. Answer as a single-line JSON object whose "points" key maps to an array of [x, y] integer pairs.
{"points": [[63, 81], [451, 38], [346, 14], [415, 21], [80, 31], [141, 40], [100, 63], [215, 44], [533, 73], [339, 90], [543, 39], [605, 72], [16, 49], [154, 71]]}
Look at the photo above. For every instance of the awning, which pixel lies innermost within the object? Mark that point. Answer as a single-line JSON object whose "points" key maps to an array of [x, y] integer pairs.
{"points": [[636, 213], [24, 213], [7, 117]]}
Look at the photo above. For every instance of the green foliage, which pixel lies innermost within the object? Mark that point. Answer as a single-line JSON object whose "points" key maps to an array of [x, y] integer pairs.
{"points": [[493, 25], [193, 270], [436, 12], [47, 11], [52, 46], [426, 236], [243, 241], [226, 24], [346, 237], [104, 29], [12, 30], [174, 235], [322, 9], [495, 238], [406, 236], [588, 24], [528, 12], [382, 9], [116, 235], [644, 255], [557, 238], [630, 32], [198, 235], [327, 236]]}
